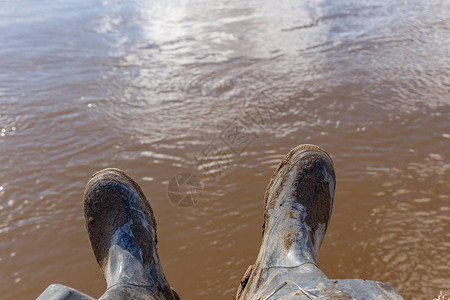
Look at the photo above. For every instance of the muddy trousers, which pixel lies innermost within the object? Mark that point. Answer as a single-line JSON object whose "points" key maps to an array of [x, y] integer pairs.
{"points": [[304, 281], [60, 292]]}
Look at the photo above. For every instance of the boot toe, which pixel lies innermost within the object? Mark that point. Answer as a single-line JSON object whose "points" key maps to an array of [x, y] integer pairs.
{"points": [[111, 200]]}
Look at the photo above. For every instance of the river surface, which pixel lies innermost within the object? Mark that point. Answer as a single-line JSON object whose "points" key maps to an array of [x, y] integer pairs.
{"points": [[157, 88]]}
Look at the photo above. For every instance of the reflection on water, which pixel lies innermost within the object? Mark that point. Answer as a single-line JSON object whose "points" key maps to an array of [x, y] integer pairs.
{"points": [[149, 87]]}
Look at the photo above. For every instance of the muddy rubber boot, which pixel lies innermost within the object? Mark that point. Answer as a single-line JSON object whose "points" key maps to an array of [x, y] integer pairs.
{"points": [[122, 232], [297, 208]]}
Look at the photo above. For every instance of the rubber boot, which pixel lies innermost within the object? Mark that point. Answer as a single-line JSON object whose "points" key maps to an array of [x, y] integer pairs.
{"points": [[122, 232], [297, 209]]}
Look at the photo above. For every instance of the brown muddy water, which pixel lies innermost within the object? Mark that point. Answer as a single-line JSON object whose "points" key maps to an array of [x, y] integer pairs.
{"points": [[158, 88]]}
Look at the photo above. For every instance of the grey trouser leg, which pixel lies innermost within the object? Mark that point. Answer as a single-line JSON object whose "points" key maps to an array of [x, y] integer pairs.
{"points": [[61, 292], [121, 291], [127, 291]]}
